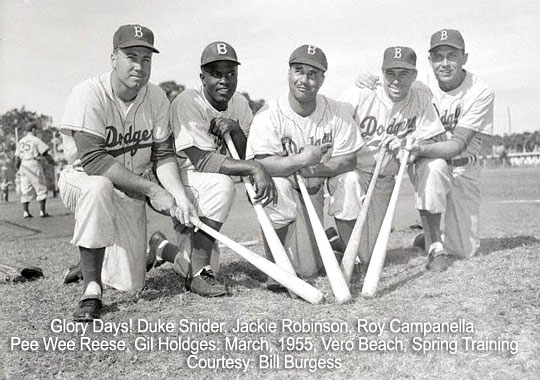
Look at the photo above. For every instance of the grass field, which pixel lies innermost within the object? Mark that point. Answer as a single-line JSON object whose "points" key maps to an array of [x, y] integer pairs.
{"points": [[494, 299]]}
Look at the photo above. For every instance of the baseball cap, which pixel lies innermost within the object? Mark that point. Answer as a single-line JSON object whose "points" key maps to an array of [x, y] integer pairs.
{"points": [[401, 57], [30, 126], [448, 37], [134, 35], [218, 51], [310, 55]]}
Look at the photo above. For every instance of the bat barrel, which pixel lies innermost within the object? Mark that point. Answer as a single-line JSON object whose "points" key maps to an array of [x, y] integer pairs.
{"points": [[290, 281], [335, 276]]}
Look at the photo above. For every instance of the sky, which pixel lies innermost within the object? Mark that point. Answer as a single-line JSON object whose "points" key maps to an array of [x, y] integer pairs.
{"points": [[48, 46]]}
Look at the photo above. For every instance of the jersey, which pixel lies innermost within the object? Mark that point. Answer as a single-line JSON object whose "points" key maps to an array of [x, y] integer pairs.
{"points": [[469, 106], [129, 130], [378, 116], [330, 122], [191, 116], [30, 147]]}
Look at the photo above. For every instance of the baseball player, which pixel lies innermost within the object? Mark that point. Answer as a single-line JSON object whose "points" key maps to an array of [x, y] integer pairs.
{"points": [[311, 134], [114, 127], [200, 118], [4, 187], [33, 182], [386, 116], [449, 183]]}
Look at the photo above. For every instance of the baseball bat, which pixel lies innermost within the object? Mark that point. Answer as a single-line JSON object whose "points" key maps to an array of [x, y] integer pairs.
{"points": [[335, 276], [290, 281], [351, 252], [381, 245], [278, 251]]}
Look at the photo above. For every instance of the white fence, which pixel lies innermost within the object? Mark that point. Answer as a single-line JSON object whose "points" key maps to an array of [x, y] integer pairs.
{"points": [[524, 159], [514, 159]]}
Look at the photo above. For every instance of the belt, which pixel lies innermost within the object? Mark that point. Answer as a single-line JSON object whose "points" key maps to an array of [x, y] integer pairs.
{"points": [[462, 161], [311, 190]]}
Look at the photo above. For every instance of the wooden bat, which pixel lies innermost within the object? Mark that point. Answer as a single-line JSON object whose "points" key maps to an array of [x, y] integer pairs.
{"points": [[290, 281], [278, 252], [335, 276], [381, 245], [351, 252]]}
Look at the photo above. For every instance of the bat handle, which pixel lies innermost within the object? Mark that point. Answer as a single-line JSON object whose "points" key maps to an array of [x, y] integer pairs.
{"points": [[378, 257], [351, 252]]}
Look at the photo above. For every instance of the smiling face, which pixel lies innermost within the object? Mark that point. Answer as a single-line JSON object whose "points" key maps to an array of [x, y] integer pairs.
{"points": [[397, 82], [447, 63], [131, 69], [219, 80], [305, 82]]}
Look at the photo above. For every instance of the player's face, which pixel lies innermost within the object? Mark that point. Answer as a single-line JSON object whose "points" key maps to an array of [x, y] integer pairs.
{"points": [[219, 80], [305, 82], [132, 66], [447, 63], [397, 82]]}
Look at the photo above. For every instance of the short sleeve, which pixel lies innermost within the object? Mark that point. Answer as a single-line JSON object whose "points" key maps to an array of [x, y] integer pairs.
{"points": [[263, 136], [348, 138], [41, 146], [246, 117], [190, 124], [160, 105], [479, 115], [84, 111]]}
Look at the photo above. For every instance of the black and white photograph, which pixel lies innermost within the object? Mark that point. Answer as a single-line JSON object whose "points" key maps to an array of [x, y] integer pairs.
{"points": [[240, 189]]}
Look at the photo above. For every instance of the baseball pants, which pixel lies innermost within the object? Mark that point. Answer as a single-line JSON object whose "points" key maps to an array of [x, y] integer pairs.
{"points": [[455, 192], [213, 195], [33, 182], [107, 217], [300, 242], [376, 211]]}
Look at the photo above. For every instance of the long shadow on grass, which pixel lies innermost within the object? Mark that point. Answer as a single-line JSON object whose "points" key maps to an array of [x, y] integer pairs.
{"points": [[490, 245]]}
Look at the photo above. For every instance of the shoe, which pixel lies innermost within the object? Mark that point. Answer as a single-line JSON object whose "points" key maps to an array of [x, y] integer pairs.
{"points": [[88, 310], [152, 261], [27, 215], [72, 274], [420, 241], [45, 215], [438, 259], [205, 284]]}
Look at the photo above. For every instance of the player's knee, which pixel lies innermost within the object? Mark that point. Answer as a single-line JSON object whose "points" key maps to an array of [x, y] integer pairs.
{"points": [[283, 185], [224, 189], [99, 187], [350, 181], [434, 165]]}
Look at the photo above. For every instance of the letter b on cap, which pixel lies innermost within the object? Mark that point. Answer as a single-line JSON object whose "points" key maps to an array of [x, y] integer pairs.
{"points": [[444, 35], [311, 49], [397, 53], [138, 31], [221, 48]]}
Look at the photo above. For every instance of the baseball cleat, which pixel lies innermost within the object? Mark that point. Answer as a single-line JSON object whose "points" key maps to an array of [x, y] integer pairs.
{"points": [[420, 241], [205, 284], [44, 215], [72, 274], [88, 310], [27, 215], [438, 259], [152, 258]]}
